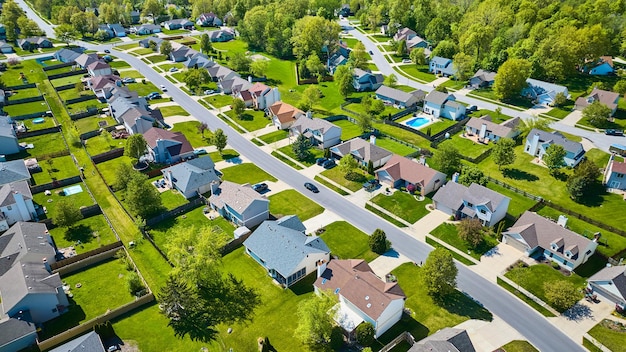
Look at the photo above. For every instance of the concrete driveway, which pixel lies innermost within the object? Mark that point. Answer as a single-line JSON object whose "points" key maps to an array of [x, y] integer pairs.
{"points": [[490, 335], [582, 317], [496, 260], [384, 264]]}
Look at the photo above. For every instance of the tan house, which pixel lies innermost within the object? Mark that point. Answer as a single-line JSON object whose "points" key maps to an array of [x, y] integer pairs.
{"points": [[610, 99], [284, 115], [402, 172]]}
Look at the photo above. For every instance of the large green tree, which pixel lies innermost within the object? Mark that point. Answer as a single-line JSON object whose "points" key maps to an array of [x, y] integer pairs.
{"points": [[312, 34], [554, 158], [472, 174], [66, 214], [378, 241], [562, 294], [345, 80], [135, 146], [503, 152], [448, 159], [597, 114], [439, 273], [511, 78], [315, 322], [195, 78], [66, 33], [141, 197], [358, 56], [471, 231], [205, 44], [219, 140], [301, 147]]}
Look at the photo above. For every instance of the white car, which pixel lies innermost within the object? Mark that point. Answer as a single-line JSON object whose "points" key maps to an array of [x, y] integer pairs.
{"points": [[173, 69], [163, 88]]}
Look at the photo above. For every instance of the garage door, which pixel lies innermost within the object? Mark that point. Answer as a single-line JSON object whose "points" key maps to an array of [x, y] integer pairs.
{"points": [[514, 243]]}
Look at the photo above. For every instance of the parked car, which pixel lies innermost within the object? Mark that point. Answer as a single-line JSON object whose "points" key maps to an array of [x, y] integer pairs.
{"points": [[311, 187], [112, 348], [371, 185], [329, 164], [472, 108], [371, 53], [612, 132], [406, 61], [153, 95], [163, 88], [320, 161], [199, 151], [128, 80], [107, 51], [173, 69], [260, 187], [209, 91]]}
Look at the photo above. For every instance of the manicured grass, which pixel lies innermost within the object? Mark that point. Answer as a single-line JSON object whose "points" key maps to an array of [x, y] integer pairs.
{"points": [[314, 153], [590, 346], [131, 74], [455, 255], [77, 199], [251, 120], [103, 143], [331, 186], [156, 58], [92, 232], [440, 125], [349, 130], [532, 278], [171, 198], [403, 135], [143, 89], [127, 46], [143, 51], [274, 136], [33, 73], [59, 70], [109, 168], [560, 112], [30, 126], [466, 146], [44, 144], [495, 116], [26, 108], [190, 130], [454, 84], [598, 156], [519, 346], [73, 93], [66, 80], [394, 147], [173, 110], [55, 169], [291, 202], [518, 204], [384, 216], [85, 105], [167, 66], [88, 124], [618, 123], [25, 93], [418, 72], [226, 154], [246, 173], [102, 287], [403, 205], [389, 109], [489, 94], [609, 334], [449, 234], [119, 64], [219, 100], [339, 177], [347, 242], [536, 306], [233, 46], [286, 160], [177, 76]]}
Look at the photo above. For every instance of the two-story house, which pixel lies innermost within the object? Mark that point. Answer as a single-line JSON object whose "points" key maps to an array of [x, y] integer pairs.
{"points": [[259, 96], [320, 132], [366, 80], [538, 141], [441, 66], [363, 151], [400, 98], [208, 19], [609, 99], [475, 202], [284, 115], [443, 105], [222, 35], [16, 204], [615, 174], [533, 234], [192, 177], [487, 130], [482, 78], [401, 172], [239, 204], [179, 23], [165, 147], [8, 137]]}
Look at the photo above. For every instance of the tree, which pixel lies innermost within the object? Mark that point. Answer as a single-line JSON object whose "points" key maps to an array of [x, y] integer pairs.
{"points": [[202, 127], [301, 147], [28, 27], [418, 56], [562, 294], [152, 8], [205, 44], [448, 159], [240, 62], [365, 333], [311, 34], [472, 174], [134, 284], [597, 114], [580, 184], [315, 66], [441, 88], [66, 214], [315, 322], [364, 121], [400, 47], [123, 174], [576, 188], [101, 35], [377, 107], [391, 80], [165, 48], [344, 79], [239, 106], [66, 33], [620, 87], [471, 231], [259, 67], [464, 65], [553, 158], [219, 140], [445, 48], [511, 78], [378, 242], [310, 97], [11, 12], [439, 273], [358, 56], [79, 22], [141, 197], [195, 253], [532, 123], [135, 146], [195, 78], [560, 99], [503, 152], [347, 164]]}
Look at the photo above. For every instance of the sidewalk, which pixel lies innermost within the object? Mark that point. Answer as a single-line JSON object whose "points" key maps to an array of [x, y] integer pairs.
{"points": [[321, 220], [426, 224]]}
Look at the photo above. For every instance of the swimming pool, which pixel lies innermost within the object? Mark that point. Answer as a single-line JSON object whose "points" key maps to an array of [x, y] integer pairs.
{"points": [[417, 122], [39, 120]]}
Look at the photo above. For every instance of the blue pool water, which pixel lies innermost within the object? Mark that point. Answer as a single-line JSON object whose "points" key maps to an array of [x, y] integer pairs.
{"points": [[417, 122], [39, 120]]}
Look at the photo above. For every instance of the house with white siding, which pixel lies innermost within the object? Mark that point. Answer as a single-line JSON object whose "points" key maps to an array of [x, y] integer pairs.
{"points": [[239, 204], [474, 202]]}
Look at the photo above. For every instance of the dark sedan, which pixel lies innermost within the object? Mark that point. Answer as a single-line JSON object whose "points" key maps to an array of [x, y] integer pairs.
{"points": [[311, 187]]}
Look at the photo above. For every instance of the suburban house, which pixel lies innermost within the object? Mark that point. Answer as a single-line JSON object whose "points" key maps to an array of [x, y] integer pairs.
{"points": [[222, 35], [16, 333], [259, 96], [543, 93], [285, 251], [614, 175], [486, 130], [363, 297], [145, 29], [538, 236], [284, 115], [339, 57], [610, 283], [233, 84], [84, 60], [16, 204], [401, 172], [482, 79], [366, 80], [132, 111], [417, 42], [208, 20], [13, 171], [90, 342], [105, 28], [445, 340], [118, 29], [3, 32], [102, 86], [475, 202], [5, 47], [601, 67], [239, 203], [135, 17], [344, 10], [322, 133], [219, 72], [66, 55], [610, 99], [363, 151], [165, 147], [444, 105], [404, 34], [192, 177], [199, 61], [179, 54], [178, 24], [26, 283], [400, 98], [538, 141], [145, 43], [8, 137], [33, 43], [99, 68], [441, 66]]}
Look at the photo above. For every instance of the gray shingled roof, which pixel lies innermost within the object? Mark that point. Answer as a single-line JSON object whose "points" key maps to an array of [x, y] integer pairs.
{"points": [[555, 138], [281, 247], [13, 171], [8, 191], [304, 123], [364, 149], [478, 194], [238, 197], [6, 126], [436, 97], [12, 329], [445, 340], [500, 130], [394, 94], [615, 274], [25, 278], [450, 195], [26, 238], [89, 342], [193, 174]]}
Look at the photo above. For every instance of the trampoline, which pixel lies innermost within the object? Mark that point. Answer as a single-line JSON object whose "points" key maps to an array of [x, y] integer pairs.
{"points": [[39, 120], [72, 190]]}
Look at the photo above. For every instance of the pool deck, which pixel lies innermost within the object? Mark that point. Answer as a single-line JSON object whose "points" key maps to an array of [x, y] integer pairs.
{"points": [[431, 119]]}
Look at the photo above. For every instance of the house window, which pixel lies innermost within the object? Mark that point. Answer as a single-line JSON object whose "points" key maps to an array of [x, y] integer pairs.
{"points": [[470, 205], [620, 175], [483, 211]]}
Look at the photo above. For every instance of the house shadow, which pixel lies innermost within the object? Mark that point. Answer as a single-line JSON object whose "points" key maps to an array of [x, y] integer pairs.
{"points": [[232, 160], [493, 252], [578, 312], [73, 317], [305, 285], [462, 304], [517, 174]]}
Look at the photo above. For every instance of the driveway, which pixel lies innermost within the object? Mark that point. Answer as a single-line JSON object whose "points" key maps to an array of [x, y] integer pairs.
{"points": [[582, 317], [496, 261], [490, 335], [385, 263]]}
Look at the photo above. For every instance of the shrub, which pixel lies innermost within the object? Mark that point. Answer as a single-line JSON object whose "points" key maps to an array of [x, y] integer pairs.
{"points": [[365, 334], [135, 286], [555, 265], [378, 242]]}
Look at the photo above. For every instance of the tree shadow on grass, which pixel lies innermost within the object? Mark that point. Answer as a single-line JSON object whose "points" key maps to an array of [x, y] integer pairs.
{"points": [[81, 233], [461, 304], [406, 323], [518, 174], [594, 195]]}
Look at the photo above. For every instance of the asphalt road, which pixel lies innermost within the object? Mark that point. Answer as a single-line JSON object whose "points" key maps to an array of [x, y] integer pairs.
{"points": [[523, 318], [45, 26]]}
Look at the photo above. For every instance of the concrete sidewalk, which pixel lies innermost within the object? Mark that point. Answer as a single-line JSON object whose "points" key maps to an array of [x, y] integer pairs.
{"points": [[319, 221], [426, 224]]}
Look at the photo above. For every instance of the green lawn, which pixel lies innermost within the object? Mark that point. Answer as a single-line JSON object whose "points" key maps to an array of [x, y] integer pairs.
{"points": [[610, 334], [466, 146], [143, 51], [418, 72], [131, 74], [92, 232], [561, 112], [519, 346], [534, 305], [449, 234], [156, 58], [314, 153], [489, 94], [274, 136], [246, 173], [619, 122], [55, 169], [103, 143], [58, 70], [454, 84], [30, 126], [102, 287], [518, 204], [78, 199], [127, 46], [109, 168], [73, 94], [167, 66], [439, 125], [290, 202], [251, 120], [26, 108], [336, 175], [44, 144], [92, 123], [233, 46], [119, 64], [143, 89], [347, 242], [172, 198], [66, 80], [173, 110], [394, 147], [219, 100], [33, 73], [598, 156], [403, 205], [190, 130], [25, 93], [85, 105], [349, 130], [495, 116], [389, 109], [403, 135], [226, 154], [533, 277]]}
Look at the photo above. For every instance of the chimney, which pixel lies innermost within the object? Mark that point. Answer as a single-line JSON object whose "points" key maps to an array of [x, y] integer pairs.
{"points": [[483, 130], [309, 114], [46, 264], [215, 185], [373, 139], [562, 221], [455, 177], [250, 79]]}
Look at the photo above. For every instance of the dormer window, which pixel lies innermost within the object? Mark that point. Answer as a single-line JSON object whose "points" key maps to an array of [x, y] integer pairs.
{"points": [[554, 246], [470, 205]]}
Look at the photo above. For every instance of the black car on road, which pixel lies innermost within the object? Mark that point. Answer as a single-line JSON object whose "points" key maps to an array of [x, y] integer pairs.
{"points": [[612, 132], [311, 187]]}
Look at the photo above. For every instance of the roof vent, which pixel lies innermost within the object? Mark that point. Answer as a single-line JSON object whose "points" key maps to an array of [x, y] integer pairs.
{"points": [[367, 298], [369, 305]]}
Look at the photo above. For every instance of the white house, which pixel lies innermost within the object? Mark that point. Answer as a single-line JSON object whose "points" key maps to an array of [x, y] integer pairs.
{"points": [[401, 172], [614, 174], [610, 283], [444, 105], [167, 147], [239, 204], [284, 115], [285, 251], [538, 141], [259, 96], [192, 177], [441, 66], [475, 201], [99, 68], [321, 133], [363, 151], [543, 93], [533, 234], [16, 204], [8, 137], [486, 130], [363, 297]]}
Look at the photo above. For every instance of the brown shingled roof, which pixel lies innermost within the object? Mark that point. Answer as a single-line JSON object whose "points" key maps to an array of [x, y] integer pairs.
{"points": [[285, 112]]}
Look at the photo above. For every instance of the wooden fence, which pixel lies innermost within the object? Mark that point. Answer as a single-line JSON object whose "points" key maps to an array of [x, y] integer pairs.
{"points": [[106, 156], [55, 184], [67, 74], [23, 100], [48, 130], [80, 99], [21, 86], [54, 67], [77, 258]]}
